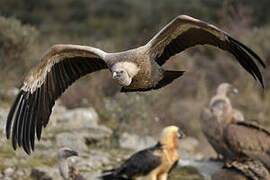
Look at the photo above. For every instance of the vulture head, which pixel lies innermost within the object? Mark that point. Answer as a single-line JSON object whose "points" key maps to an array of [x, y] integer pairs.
{"points": [[170, 136], [65, 153], [123, 72], [225, 88]]}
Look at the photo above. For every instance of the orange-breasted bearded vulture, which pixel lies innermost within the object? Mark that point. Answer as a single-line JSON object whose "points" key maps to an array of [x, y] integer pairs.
{"points": [[154, 163]]}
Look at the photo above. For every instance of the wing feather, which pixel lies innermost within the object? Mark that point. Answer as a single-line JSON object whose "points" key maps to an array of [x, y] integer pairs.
{"points": [[61, 66], [249, 139], [184, 32]]}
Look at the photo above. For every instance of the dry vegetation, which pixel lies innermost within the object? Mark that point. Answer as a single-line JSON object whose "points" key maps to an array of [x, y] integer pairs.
{"points": [[121, 24]]}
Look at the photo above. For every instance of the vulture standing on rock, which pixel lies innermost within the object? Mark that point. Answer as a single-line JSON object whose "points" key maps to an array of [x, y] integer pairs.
{"points": [[137, 69], [66, 171], [242, 169], [220, 114], [155, 162], [230, 135]]}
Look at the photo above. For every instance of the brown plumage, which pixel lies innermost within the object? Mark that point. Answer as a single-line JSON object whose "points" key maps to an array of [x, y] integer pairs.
{"points": [[136, 70], [154, 163], [249, 139], [67, 172], [242, 169], [214, 120]]}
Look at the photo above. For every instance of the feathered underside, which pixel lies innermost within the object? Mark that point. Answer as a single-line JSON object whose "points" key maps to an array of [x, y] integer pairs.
{"points": [[184, 32], [59, 68]]}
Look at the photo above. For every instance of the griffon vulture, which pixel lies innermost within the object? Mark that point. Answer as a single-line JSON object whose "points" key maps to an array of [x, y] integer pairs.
{"points": [[154, 163], [249, 139], [137, 69], [242, 169], [220, 114], [67, 172]]}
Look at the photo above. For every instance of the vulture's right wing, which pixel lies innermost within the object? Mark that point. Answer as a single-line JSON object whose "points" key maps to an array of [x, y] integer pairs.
{"points": [[184, 32], [59, 68]]}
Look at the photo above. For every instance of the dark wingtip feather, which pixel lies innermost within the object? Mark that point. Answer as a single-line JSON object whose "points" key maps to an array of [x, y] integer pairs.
{"points": [[11, 114], [244, 56], [249, 51], [21, 120]]}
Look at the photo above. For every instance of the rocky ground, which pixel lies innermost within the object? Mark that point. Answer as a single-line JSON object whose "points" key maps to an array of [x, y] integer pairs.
{"points": [[81, 130]]}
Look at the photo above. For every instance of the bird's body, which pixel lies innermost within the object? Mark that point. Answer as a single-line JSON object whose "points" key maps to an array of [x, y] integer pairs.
{"points": [[154, 163], [249, 139], [137, 69], [145, 72], [230, 135], [67, 172], [217, 117]]}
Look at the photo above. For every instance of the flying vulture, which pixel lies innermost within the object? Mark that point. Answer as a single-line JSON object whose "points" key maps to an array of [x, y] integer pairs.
{"points": [[219, 114], [242, 169], [67, 172], [154, 163], [137, 69]]}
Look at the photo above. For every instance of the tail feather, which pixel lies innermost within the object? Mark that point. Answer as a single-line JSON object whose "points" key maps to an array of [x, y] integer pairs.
{"points": [[168, 77]]}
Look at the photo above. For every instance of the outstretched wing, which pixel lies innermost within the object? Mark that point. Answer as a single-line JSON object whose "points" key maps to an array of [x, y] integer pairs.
{"points": [[59, 68], [184, 32]]}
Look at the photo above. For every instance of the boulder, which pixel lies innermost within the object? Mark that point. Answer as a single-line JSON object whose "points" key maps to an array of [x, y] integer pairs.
{"points": [[77, 118], [71, 140], [132, 141]]}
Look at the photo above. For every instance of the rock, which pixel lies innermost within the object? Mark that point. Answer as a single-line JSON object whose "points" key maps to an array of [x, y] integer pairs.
{"points": [[91, 161], [98, 135], [205, 167], [45, 173], [77, 118], [132, 141], [39, 175], [9, 171], [71, 140], [188, 145]]}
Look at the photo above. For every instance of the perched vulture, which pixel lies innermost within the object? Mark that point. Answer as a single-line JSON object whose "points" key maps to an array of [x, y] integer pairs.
{"points": [[155, 162], [249, 139], [221, 113], [66, 171], [137, 69], [242, 169]]}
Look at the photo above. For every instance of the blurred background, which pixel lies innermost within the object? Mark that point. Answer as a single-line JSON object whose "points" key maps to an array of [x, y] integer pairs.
{"points": [[29, 27]]}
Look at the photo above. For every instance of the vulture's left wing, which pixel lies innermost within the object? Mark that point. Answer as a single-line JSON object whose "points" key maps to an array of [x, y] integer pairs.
{"points": [[184, 32], [58, 69]]}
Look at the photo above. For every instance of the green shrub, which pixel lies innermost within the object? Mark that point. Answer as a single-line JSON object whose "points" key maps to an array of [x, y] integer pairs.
{"points": [[15, 42]]}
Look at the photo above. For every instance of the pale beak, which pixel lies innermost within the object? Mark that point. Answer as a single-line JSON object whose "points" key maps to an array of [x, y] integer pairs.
{"points": [[114, 75], [181, 134], [234, 90], [73, 153]]}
